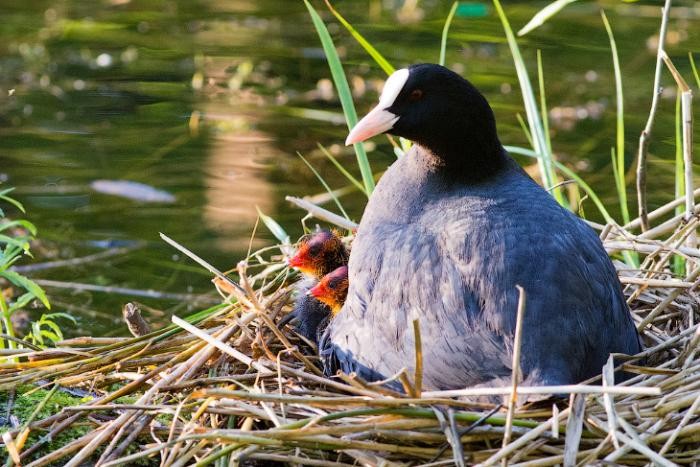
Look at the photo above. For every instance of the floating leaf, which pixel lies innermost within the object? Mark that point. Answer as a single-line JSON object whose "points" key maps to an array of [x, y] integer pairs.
{"points": [[132, 190]]}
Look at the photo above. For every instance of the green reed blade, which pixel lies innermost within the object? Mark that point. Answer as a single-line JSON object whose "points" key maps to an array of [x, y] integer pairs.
{"points": [[27, 284], [12, 201], [445, 30], [543, 15], [274, 227], [620, 182], [531, 109], [341, 169], [695, 70], [679, 261], [325, 185], [341, 85], [543, 102], [523, 126], [369, 48], [569, 173]]}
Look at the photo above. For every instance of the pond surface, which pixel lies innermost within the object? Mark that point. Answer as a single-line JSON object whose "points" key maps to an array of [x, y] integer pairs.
{"points": [[206, 103]]}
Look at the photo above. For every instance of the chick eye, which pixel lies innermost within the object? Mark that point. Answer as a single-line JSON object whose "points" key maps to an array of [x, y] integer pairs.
{"points": [[415, 95]]}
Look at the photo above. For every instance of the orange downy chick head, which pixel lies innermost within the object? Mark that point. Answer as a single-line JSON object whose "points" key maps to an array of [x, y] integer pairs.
{"points": [[319, 253], [332, 289]]}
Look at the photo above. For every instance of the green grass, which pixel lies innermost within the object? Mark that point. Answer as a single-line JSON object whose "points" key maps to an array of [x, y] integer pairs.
{"points": [[544, 15], [343, 89], [535, 123], [374, 53], [543, 103], [695, 70], [445, 31], [31, 403], [15, 238], [325, 185], [342, 169], [679, 261], [534, 119], [618, 153]]}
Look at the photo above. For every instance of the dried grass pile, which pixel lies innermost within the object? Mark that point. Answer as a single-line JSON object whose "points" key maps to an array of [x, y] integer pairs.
{"points": [[227, 387]]}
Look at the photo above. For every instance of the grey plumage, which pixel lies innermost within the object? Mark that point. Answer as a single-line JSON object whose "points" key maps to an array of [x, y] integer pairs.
{"points": [[450, 254], [451, 229]]}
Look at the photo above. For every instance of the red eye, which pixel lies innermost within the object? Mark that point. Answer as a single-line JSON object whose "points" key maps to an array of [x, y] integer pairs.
{"points": [[416, 95]]}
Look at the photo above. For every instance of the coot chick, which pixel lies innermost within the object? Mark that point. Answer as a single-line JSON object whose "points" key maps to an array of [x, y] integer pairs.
{"points": [[322, 302], [332, 289], [452, 227], [318, 255]]}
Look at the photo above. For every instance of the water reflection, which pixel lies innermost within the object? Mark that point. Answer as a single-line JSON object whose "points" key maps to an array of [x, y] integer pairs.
{"points": [[235, 186], [210, 101]]}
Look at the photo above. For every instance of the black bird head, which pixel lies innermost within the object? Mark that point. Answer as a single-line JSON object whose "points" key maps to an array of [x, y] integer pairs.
{"points": [[439, 110]]}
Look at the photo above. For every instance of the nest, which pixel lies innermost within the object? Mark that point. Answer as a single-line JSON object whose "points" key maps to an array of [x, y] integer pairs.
{"points": [[227, 386]]}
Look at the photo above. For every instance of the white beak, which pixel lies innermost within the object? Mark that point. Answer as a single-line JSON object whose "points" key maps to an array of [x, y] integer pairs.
{"points": [[377, 121]]}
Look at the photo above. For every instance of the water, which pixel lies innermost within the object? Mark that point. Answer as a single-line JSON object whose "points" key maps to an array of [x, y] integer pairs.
{"points": [[206, 103]]}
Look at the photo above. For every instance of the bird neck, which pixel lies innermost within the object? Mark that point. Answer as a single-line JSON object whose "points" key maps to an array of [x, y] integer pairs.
{"points": [[335, 308], [473, 157]]}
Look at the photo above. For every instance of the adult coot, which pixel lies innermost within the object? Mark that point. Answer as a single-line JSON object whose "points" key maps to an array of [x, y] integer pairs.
{"points": [[450, 230]]}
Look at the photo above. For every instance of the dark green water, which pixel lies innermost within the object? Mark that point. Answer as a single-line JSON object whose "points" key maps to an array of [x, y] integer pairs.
{"points": [[209, 101]]}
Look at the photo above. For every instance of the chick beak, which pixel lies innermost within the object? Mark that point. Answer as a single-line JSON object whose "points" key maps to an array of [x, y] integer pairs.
{"points": [[377, 121], [295, 261], [319, 290]]}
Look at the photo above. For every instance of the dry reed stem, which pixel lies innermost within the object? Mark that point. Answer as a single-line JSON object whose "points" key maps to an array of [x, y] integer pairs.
{"points": [[517, 373], [608, 402], [284, 410], [322, 214], [660, 211], [543, 390], [418, 373], [687, 141], [574, 429], [646, 132]]}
